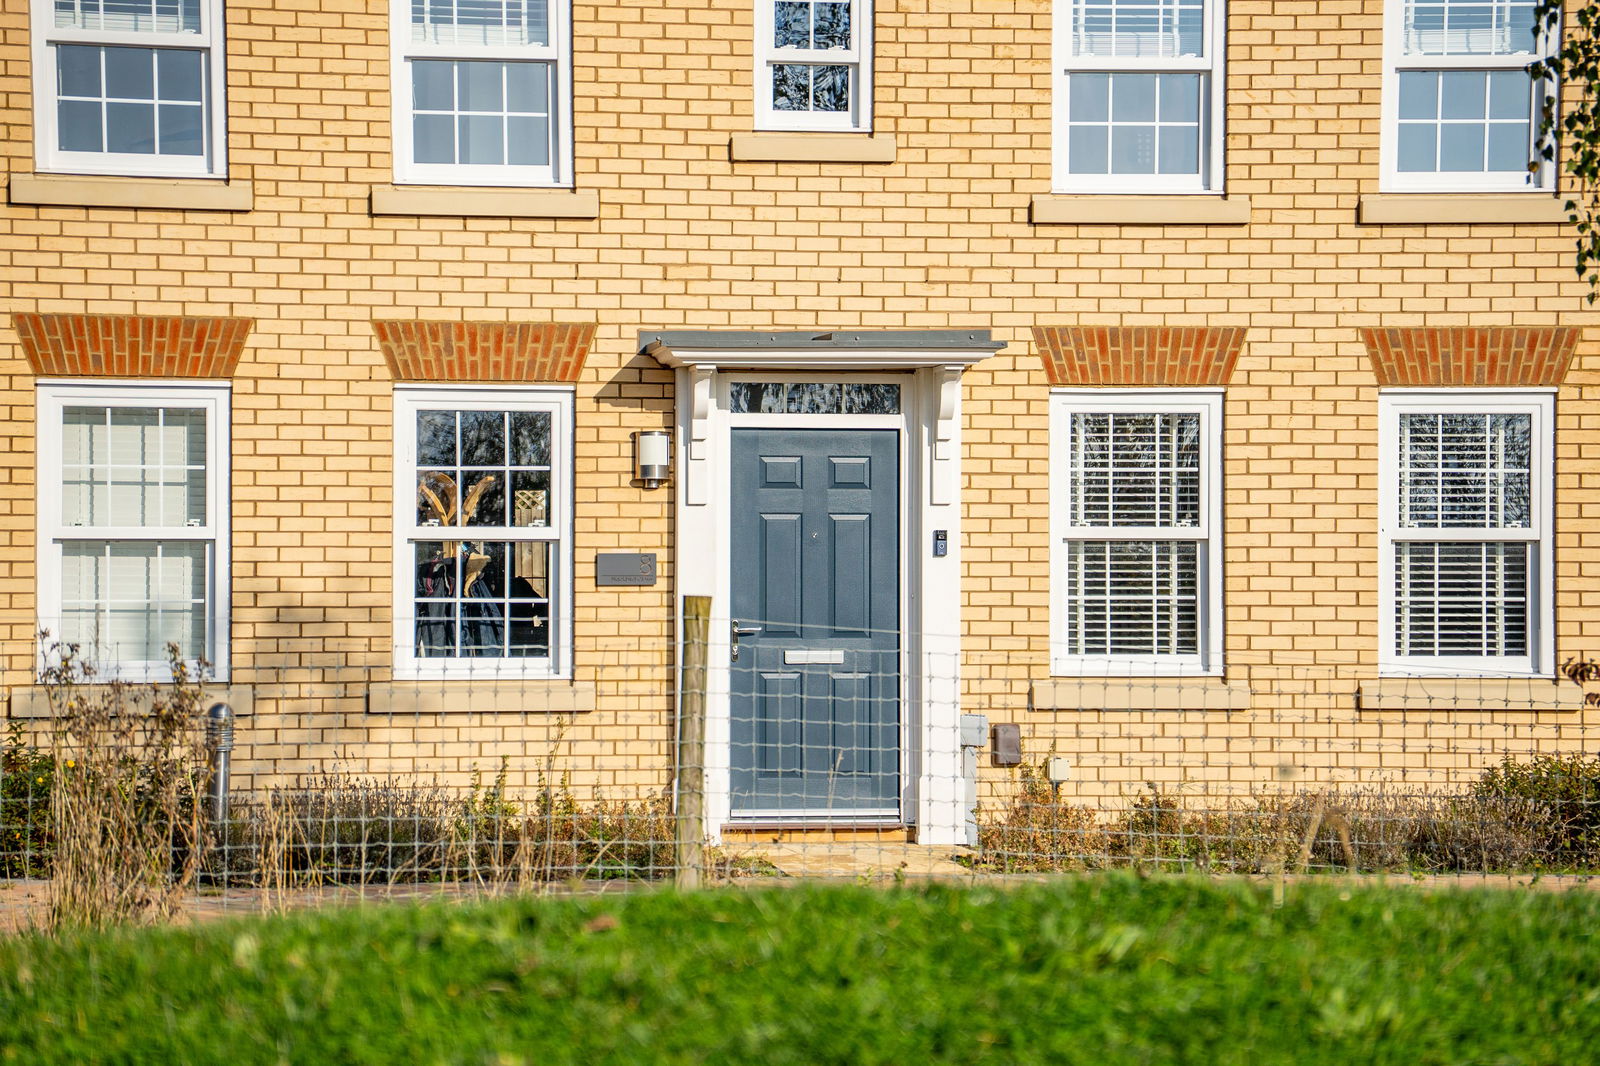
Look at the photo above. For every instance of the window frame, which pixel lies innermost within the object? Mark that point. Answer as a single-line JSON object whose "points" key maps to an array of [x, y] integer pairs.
{"points": [[1208, 404], [402, 51], [52, 397], [858, 119], [1396, 62], [408, 401], [212, 162], [1539, 403], [1209, 179]]}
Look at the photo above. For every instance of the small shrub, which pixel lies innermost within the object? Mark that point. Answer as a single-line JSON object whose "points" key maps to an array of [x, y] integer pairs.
{"points": [[1036, 831], [1563, 790], [127, 823], [27, 775]]}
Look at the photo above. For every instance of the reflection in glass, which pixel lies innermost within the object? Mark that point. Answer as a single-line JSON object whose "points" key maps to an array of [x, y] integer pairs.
{"points": [[482, 599], [814, 398]]}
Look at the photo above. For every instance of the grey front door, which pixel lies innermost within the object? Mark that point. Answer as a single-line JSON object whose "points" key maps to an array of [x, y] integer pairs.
{"points": [[815, 727]]}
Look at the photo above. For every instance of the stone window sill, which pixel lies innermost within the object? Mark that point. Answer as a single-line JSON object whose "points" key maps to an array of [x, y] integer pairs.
{"points": [[165, 194], [533, 696], [1455, 694], [811, 148], [1460, 209], [1094, 210], [472, 201], [1139, 694], [33, 701]]}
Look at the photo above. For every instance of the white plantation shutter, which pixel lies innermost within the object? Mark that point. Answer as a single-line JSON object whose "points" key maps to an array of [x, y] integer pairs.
{"points": [[480, 22], [1138, 28], [1133, 568], [1468, 27], [1466, 525]]}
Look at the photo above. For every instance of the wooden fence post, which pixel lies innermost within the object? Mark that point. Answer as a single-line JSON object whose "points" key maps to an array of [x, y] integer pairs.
{"points": [[690, 854]]}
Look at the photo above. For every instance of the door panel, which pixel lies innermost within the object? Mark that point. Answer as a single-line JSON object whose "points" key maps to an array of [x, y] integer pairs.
{"points": [[815, 562]]}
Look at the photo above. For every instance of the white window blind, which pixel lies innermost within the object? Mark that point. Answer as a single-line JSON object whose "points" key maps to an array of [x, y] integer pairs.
{"points": [[1135, 568], [1466, 530]]}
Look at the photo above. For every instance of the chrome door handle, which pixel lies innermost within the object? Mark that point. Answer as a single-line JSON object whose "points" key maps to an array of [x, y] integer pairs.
{"points": [[737, 632]]}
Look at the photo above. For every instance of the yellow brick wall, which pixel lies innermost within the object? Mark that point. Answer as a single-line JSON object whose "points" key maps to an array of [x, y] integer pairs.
{"points": [[687, 239]]}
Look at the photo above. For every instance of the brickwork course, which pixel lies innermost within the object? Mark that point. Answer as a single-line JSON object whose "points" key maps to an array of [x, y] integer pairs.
{"points": [[1302, 312]]}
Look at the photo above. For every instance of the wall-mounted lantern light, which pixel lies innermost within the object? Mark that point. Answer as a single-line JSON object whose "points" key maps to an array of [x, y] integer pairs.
{"points": [[652, 456]]}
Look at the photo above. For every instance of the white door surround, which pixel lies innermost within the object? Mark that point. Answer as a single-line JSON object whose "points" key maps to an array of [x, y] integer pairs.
{"points": [[929, 365]]}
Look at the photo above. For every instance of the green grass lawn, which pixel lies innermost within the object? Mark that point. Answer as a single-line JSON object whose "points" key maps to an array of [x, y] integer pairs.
{"points": [[1091, 970]]}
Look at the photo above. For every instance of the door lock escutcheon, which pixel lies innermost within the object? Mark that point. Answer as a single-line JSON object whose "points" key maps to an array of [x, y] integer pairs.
{"points": [[737, 632]]}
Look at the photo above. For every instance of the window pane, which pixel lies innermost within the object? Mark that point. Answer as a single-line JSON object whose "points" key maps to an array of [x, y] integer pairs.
{"points": [[1133, 97], [1460, 148], [433, 139], [497, 449], [481, 140], [180, 75], [1090, 97], [1419, 150], [79, 127], [1138, 28], [1133, 150], [131, 128], [830, 89], [481, 87], [1509, 147], [1132, 598], [753, 397], [791, 25], [1463, 94], [1419, 94], [1468, 27], [1466, 471], [130, 73], [1179, 150], [815, 398], [182, 132], [1510, 94], [158, 477], [126, 601], [1134, 469], [1088, 150], [528, 87], [832, 29], [482, 599], [871, 399], [433, 85], [78, 71], [147, 103], [791, 87], [528, 141], [1461, 599]]}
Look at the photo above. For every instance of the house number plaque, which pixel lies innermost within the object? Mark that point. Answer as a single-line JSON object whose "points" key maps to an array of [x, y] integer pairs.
{"points": [[625, 568]]}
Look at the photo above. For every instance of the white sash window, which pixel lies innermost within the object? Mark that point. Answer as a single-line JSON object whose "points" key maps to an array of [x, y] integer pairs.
{"points": [[129, 87], [1466, 533], [482, 91], [1136, 564], [483, 548], [133, 517], [814, 65], [1138, 96], [1460, 111]]}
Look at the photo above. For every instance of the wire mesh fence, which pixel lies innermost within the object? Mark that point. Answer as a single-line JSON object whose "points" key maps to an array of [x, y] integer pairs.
{"points": [[735, 757]]}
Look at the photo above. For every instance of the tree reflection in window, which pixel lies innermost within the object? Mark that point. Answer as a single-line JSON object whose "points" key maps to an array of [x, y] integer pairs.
{"points": [[487, 472]]}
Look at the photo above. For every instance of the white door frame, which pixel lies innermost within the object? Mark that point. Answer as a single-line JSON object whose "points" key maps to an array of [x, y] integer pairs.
{"points": [[933, 794]]}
